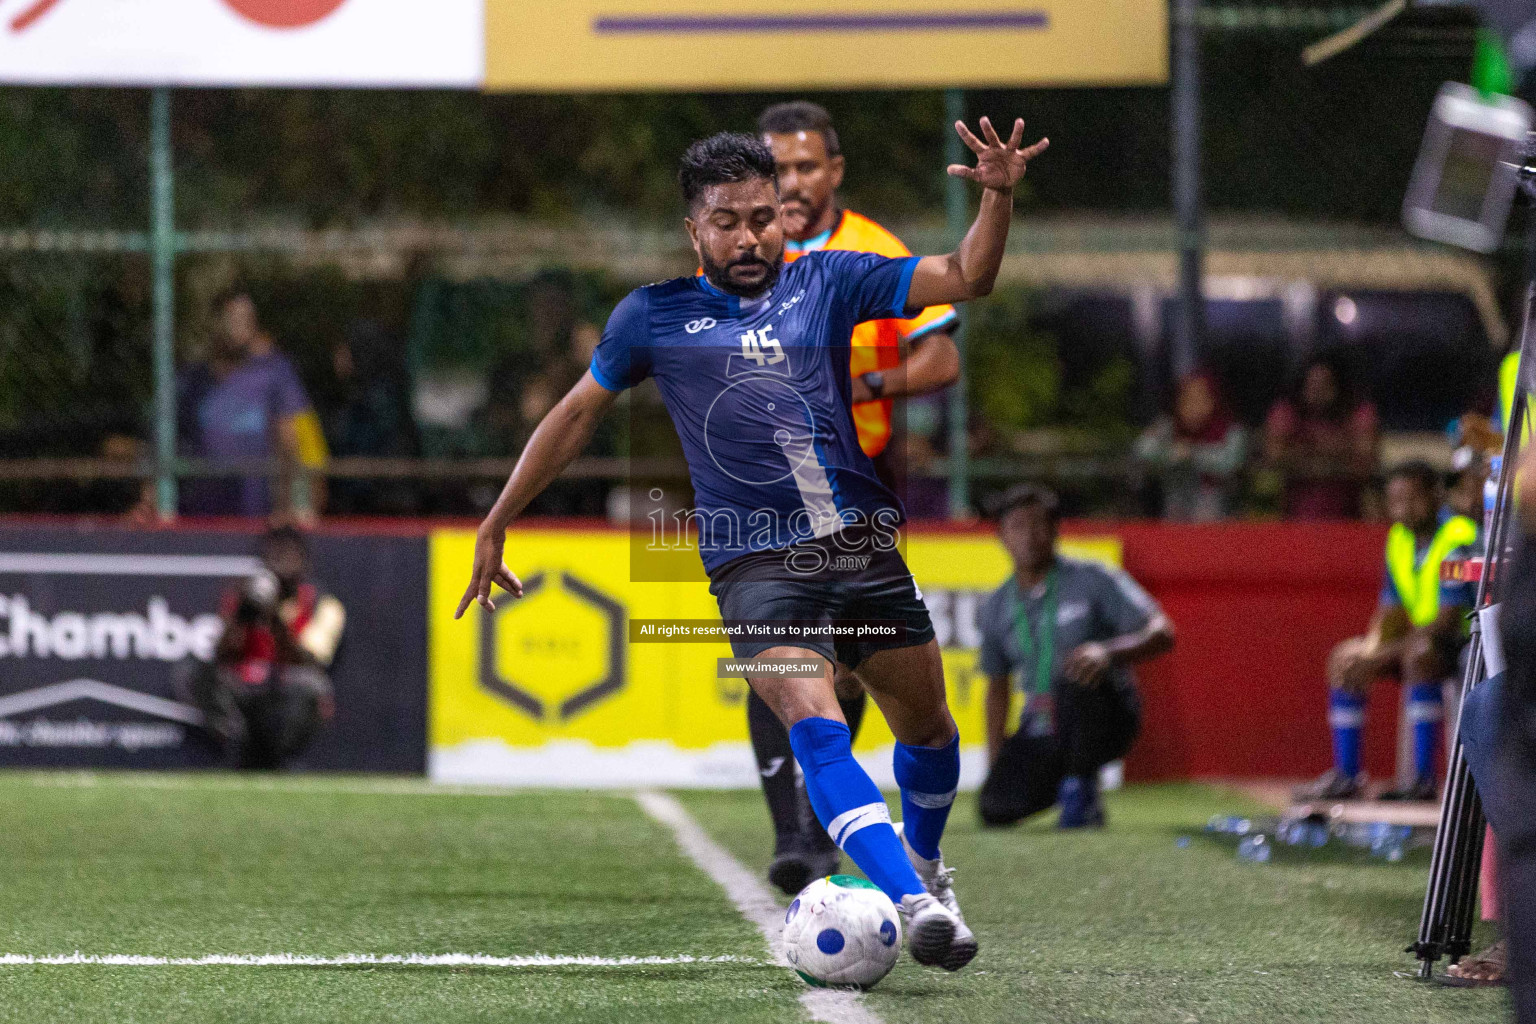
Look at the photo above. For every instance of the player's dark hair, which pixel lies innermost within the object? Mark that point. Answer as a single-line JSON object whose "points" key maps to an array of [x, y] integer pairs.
{"points": [[1028, 496], [1417, 470], [723, 159], [230, 294], [280, 535], [800, 116], [1346, 398]]}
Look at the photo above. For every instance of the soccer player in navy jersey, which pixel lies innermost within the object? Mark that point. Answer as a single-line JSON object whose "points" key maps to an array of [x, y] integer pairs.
{"points": [[794, 526]]}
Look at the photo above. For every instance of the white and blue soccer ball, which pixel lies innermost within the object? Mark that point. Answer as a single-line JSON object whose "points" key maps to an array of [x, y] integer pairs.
{"points": [[842, 932]]}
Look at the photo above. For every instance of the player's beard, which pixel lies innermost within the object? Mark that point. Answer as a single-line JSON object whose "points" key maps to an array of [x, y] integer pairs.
{"points": [[719, 275]]}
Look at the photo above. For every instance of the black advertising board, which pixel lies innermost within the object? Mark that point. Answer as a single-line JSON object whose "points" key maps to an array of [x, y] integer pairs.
{"points": [[93, 623]]}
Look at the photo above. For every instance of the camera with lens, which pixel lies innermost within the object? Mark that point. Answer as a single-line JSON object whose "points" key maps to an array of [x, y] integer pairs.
{"points": [[258, 598]]}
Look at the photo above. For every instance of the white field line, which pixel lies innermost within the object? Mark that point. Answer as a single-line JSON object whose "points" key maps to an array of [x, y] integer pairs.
{"points": [[753, 899], [361, 960]]}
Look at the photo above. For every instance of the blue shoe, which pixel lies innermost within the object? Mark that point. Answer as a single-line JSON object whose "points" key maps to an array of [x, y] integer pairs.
{"points": [[1080, 806]]}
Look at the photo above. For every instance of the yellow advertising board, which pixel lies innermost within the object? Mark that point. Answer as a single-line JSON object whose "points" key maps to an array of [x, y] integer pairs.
{"points": [[588, 45], [549, 690], [614, 45]]}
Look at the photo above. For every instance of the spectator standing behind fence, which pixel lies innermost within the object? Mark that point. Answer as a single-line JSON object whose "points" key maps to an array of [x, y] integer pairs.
{"points": [[371, 420], [528, 380], [526, 384], [1198, 452], [245, 404], [267, 690], [1323, 439]]}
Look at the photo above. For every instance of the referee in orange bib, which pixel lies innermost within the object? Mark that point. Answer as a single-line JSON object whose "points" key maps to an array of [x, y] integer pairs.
{"points": [[810, 169]]}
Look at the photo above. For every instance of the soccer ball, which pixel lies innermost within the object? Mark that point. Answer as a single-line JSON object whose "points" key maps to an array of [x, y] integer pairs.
{"points": [[842, 932]]}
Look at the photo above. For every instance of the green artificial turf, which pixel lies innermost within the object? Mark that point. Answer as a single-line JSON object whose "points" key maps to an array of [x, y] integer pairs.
{"points": [[1127, 925], [226, 868], [1123, 925]]}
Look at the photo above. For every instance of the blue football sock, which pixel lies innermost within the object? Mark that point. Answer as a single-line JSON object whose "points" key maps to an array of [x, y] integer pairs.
{"points": [[1346, 716], [850, 805], [1425, 709], [1078, 796], [927, 777]]}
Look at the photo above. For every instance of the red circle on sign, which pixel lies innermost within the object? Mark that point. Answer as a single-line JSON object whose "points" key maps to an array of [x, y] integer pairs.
{"points": [[285, 13]]}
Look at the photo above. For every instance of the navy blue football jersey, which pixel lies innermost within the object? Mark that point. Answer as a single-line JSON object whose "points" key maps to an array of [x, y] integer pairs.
{"points": [[759, 393]]}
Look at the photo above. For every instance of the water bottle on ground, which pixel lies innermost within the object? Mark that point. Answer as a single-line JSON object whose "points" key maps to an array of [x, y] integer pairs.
{"points": [[1390, 841], [1229, 825], [1358, 834], [1255, 850]]}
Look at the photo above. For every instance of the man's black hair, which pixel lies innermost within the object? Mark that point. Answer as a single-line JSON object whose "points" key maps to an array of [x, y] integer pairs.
{"points": [[285, 535], [800, 116], [238, 290], [1345, 393], [1028, 496], [722, 159], [1419, 471]]}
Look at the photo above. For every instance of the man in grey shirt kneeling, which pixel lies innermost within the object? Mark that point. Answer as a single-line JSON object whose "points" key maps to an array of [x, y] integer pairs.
{"points": [[1064, 633]]}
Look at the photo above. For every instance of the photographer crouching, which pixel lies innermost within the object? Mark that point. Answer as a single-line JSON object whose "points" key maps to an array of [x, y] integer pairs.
{"points": [[267, 690]]}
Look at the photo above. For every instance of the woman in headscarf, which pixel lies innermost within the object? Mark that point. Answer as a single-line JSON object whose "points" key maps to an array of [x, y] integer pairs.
{"points": [[1324, 440], [1198, 451]]}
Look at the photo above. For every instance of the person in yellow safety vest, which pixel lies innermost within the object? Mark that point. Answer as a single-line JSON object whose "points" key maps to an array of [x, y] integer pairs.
{"points": [[1489, 967], [1509, 375], [1415, 635]]}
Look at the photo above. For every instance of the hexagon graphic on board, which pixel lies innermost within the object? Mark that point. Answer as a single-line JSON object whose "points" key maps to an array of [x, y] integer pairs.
{"points": [[557, 651]]}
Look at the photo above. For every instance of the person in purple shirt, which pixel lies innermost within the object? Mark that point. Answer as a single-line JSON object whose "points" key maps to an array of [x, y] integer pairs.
{"points": [[245, 404]]}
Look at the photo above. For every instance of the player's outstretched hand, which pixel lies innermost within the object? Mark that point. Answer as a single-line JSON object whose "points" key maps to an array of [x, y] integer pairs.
{"points": [[999, 164], [489, 570]]}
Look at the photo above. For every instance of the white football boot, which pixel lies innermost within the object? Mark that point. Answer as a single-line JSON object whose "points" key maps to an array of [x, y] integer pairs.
{"points": [[930, 929], [940, 883]]}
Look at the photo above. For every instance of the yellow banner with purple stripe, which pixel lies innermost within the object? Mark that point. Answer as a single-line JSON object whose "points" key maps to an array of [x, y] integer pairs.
{"points": [[614, 45], [585, 45]]}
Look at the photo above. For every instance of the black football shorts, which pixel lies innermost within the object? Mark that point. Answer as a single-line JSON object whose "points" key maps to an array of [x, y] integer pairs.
{"points": [[829, 582]]}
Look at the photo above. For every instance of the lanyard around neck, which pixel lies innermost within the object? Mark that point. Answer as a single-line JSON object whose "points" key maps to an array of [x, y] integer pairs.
{"points": [[1041, 650]]}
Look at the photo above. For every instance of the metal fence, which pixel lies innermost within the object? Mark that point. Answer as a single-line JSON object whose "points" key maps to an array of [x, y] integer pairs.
{"points": [[103, 295]]}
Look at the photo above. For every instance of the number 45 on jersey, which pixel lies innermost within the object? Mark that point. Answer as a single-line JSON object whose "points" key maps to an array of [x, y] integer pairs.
{"points": [[760, 348]]}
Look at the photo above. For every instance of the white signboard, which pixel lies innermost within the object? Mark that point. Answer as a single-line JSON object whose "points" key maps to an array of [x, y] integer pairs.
{"points": [[243, 42]]}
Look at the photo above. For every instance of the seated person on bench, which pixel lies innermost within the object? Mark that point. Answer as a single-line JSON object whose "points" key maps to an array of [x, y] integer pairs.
{"points": [[1415, 635]]}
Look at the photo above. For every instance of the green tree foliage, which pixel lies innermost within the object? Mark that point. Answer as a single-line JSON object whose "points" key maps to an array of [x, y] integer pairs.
{"points": [[1015, 375], [77, 156], [1334, 141], [1017, 380], [73, 355]]}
